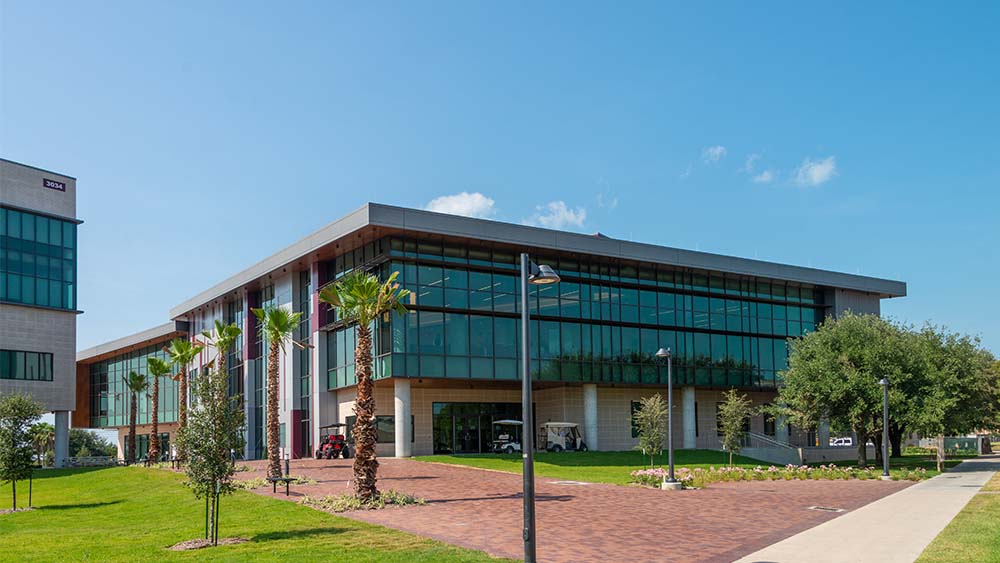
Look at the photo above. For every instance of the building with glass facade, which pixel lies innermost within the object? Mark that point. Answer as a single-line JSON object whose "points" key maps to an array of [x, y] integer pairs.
{"points": [[103, 400], [38, 290], [448, 368]]}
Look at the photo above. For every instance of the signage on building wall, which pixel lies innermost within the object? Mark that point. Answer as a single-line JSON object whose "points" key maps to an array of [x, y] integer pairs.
{"points": [[53, 185]]}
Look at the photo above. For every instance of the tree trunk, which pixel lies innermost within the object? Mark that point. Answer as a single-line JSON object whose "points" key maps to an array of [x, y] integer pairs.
{"points": [[182, 413], [131, 428], [896, 439], [273, 461], [730, 458], [13, 492], [365, 436], [154, 438], [877, 440], [211, 518], [862, 448]]}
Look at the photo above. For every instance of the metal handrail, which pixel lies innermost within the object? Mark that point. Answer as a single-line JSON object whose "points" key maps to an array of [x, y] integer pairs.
{"points": [[767, 441]]}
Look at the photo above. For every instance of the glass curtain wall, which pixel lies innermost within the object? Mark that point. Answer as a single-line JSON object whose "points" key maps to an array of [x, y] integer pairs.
{"points": [[603, 323], [109, 397], [304, 387], [37, 260]]}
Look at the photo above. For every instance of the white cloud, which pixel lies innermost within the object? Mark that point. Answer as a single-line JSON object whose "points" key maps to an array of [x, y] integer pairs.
{"points": [[765, 177], [611, 202], [713, 154], [751, 161], [557, 215], [687, 172], [469, 205], [815, 172]]}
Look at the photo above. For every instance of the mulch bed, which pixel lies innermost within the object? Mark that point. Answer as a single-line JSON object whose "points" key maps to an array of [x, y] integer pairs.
{"points": [[13, 510], [200, 543]]}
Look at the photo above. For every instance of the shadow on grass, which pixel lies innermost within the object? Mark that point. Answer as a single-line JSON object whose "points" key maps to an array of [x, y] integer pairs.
{"points": [[81, 505], [49, 473], [294, 534]]}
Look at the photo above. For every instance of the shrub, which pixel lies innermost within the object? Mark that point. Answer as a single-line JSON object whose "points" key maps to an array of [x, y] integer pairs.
{"points": [[698, 477], [348, 502]]}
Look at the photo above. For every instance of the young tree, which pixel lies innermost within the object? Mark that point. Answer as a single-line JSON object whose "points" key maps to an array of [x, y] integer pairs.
{"points": [[83, 443], [278, 324], [136, 385], [17, 413], [214, 429], [43, 437], [650, 420], [182, 352], [834, 372], [360, 298], [157, 369], [733, 414]]}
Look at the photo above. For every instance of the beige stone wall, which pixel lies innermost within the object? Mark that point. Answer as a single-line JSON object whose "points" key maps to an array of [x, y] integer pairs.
{"points": [[557, 404]]}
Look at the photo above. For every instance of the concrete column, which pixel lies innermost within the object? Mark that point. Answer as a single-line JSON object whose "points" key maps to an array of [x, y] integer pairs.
{"points": [[781, 429], [62, 438], [401, 391], [823, 432], [590, 416], [689, 419]]}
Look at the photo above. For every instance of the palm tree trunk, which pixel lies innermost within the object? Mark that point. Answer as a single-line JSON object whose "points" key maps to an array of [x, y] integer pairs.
{"points": [[131, 428], [182, 413], [273, 461], [154, 438], [365, 436]]}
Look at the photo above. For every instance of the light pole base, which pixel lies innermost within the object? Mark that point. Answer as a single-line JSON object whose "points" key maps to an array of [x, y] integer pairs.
{"points": [[885, 478], [671, 485]]}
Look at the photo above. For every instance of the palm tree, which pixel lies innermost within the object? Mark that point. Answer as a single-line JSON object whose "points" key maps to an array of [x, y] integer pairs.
{"points": [[278, 324], [222, 339], [135, 384], [182, 352], [157, 369], [359, 297], [43, 436]]}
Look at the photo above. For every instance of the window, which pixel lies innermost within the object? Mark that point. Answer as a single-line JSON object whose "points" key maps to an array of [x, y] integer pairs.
{"points": [[385, 426], [37, 260], [28, 366], [636, 405]]}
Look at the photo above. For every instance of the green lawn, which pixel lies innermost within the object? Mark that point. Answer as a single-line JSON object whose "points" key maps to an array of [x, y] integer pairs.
{"points": [[974, 535], [128, 514], [592, 467]]}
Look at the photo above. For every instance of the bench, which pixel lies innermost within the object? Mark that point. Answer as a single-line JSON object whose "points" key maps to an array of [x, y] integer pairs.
{"points": [[275, 480]]}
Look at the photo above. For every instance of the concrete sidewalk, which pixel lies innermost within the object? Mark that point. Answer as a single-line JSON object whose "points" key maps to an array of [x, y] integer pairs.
{"points": [[895, 529]]}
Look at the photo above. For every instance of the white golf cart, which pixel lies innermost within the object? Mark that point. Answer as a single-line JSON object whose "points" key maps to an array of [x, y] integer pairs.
{"points": [[508, 433], [561, 436]]}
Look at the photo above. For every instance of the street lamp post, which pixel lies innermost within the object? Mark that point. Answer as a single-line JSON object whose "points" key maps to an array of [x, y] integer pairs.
{"points": [[670, 483], [884, 382], [538, 275]]}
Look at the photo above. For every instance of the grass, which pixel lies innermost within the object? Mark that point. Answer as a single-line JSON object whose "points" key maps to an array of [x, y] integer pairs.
{"points": [[131, 514], [592, 467], [974, 535], [909, 461]]}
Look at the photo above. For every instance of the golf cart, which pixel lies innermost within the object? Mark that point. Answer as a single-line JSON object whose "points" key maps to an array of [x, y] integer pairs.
{"points": [[560, 436], [508, 439], [332, 443]]}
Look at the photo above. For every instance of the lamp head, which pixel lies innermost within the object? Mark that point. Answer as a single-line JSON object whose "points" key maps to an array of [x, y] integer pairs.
{"points": [[663, 353], [884, 381], [543, 275]]}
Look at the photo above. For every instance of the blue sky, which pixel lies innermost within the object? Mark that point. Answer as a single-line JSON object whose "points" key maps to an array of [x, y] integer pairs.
{"points": [[205, 136]]}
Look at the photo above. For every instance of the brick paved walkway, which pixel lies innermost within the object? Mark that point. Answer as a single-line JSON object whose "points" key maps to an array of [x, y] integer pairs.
{"points": [[594, 522]]}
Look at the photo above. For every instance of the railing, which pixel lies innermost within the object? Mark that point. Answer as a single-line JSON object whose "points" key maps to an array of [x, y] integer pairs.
{"points": [[755, 440]]}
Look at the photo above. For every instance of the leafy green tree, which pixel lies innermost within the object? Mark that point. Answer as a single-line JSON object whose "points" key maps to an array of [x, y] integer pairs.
{"points": [[136, 385], [360, 298], [43, 436], [84, 443], [157, 369], [17, 413], [834, 372], [182, 352], [734, 412], [278, 324], [650, 421], [213, 432]]}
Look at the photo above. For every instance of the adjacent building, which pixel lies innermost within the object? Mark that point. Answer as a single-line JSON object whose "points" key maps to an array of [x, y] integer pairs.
{"points": [[38, 290], [448, 368]]}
